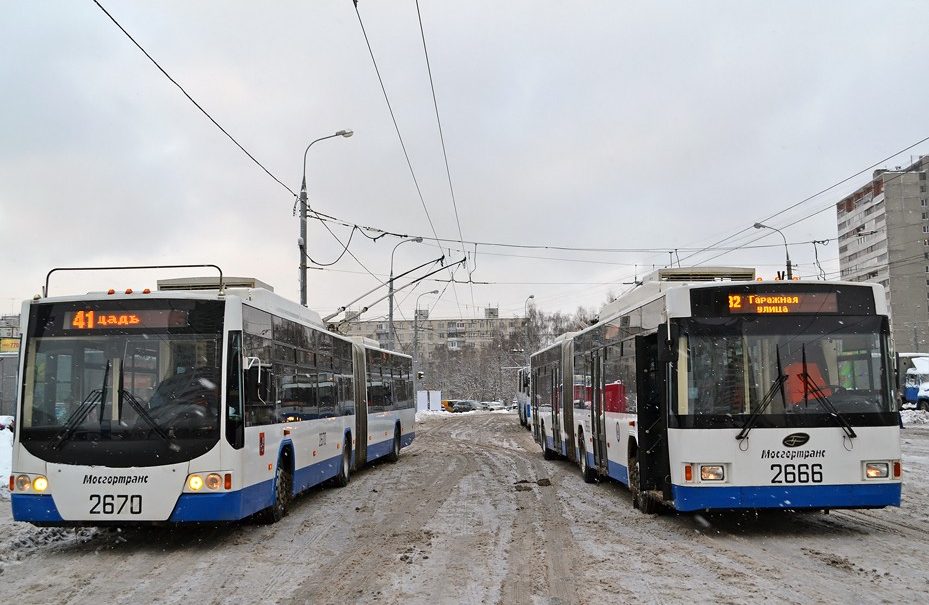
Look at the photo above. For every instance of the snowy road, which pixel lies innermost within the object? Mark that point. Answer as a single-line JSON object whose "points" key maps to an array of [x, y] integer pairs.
{"points": [[462, 519]]}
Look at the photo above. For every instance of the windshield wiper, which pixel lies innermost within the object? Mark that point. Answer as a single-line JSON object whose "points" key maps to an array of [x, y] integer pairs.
{"points": [[80, 414], [143, 413], [810, 387], [777, 385]]}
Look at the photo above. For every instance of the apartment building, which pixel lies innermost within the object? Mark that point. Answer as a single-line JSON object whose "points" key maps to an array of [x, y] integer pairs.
{"points": [[884, 237], [453, 334]]}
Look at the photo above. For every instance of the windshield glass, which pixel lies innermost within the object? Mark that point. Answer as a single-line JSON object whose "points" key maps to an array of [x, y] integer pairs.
{"points": [[728, 364], [147, 394]]}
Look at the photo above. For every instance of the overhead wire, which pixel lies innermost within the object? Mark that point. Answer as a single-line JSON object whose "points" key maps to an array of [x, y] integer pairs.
{"points": [[216, 123], [438, 120], [192, 100], [393, 119], [820, 192]]}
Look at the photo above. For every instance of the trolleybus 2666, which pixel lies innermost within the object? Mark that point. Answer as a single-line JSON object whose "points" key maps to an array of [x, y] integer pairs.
{"points": [[194, 403], [704, 389]]}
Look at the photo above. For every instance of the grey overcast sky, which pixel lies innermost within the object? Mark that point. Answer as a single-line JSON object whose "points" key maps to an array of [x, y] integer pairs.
{"points": [[602, 124]]}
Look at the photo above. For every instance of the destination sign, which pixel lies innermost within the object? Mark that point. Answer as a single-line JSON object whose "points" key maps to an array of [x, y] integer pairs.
{"points": [[89, 319], [783, 303]]}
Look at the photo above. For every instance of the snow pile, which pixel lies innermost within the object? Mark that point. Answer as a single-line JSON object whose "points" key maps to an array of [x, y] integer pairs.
{"points": [[423, 414], [6, 455], [914, 416]]}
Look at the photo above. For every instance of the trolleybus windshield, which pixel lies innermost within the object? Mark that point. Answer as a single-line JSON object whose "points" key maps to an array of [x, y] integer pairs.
{"points": [[728, 364], [122, 384]]}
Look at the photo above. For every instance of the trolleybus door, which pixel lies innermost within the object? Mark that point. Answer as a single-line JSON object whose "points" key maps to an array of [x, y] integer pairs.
{"points": [[534, 401], [556, 409], [361, 405], [651, 377], [597, 422]]}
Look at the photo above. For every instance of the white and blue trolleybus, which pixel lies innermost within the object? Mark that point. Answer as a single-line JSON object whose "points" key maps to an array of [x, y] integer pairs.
{"points": [[705, 389], [197, 402]]}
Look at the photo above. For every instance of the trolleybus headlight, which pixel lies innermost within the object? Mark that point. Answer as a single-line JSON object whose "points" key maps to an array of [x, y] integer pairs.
{"points": [[214, 481], [40, 484], [23, 482], [876, 470], [195, 482], [712, 472]]}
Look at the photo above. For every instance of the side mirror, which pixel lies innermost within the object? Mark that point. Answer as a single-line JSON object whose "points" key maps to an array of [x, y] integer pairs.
{"points": [[667, 343], [419, 375]]}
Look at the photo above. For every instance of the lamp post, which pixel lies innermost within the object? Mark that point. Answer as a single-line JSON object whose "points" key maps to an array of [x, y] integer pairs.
{"points": [[526, 315], [416, 362], [301, 241], [790, 274], [390, 293]]}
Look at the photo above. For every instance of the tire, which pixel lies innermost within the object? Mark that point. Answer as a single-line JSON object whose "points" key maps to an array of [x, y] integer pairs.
{"points": [[394, 454], [923, 405], [645, 502], [345, 469], [589, 474], [283, 488], [546, 453]]}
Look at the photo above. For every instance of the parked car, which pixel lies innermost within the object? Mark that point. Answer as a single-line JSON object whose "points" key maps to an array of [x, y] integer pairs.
{"points": [[466, 405], [495, 406]]}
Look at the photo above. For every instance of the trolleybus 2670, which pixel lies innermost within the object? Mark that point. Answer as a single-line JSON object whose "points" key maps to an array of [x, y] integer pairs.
{"points": [[730, 393], [197, 403]]}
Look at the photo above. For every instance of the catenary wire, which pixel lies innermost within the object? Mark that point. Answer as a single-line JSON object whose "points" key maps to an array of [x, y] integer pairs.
{"points": [[393, 119]]}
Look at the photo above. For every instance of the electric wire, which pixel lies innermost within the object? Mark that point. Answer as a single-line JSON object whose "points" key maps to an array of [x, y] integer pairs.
{"points": [[393, 119], [820, 192], [438, 120], [192, 100]]}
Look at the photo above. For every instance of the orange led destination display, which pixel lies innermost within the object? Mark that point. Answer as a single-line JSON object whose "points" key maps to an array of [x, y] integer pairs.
{"points": [[784, 303], [89, 319]]}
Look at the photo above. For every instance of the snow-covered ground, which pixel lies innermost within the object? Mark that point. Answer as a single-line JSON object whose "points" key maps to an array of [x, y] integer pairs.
{"points": [[492, 522]]}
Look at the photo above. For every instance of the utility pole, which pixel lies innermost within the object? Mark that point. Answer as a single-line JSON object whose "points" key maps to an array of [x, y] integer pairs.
{"points": [[301, 241], [790, 274], [390, 294], [416, 361]]}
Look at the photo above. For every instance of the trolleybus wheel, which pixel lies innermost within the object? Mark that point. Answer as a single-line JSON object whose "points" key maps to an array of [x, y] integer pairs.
{"points": [[642, 501], [394, 454], [345, 470], [589, 474], [283, 486]]}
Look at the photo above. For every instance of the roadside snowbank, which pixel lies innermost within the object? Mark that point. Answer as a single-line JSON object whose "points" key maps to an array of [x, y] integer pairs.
{"points": [[6, 455], [914, 417], [423, 414]]}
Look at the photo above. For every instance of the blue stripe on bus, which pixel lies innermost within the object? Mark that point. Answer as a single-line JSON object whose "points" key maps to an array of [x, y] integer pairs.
{"points": [[230, 506], [407, 440], [618, 471], [34, 508], [864, 495], [205, 507]]}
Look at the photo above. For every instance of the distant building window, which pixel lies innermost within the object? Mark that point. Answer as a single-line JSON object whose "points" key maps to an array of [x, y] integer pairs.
{"points": [[924, 203], [925, 228]]}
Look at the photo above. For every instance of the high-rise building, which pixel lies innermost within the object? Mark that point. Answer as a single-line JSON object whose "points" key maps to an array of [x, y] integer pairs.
{"points": [[884, 237]]}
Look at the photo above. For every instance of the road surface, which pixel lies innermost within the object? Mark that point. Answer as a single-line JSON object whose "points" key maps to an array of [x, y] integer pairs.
{"points": [[463, 518]]}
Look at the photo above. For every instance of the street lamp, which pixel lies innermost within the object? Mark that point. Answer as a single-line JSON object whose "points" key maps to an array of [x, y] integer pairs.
{"points": [[301, 241], [790, 274], [416, 362], [526, 315], [390, 293]]}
